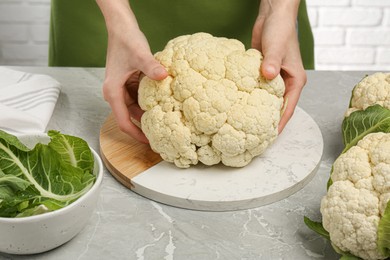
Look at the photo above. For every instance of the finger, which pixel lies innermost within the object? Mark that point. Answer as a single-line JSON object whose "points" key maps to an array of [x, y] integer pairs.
{"points": [[294, 85], [152, 68], [291, 99], [135, 112], [125, 124], [132, 85], [271, 64], [116, 98], [273, 53]]}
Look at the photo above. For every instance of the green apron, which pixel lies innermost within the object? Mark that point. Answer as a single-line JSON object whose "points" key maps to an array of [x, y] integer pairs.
{"points": [[78, 35]]}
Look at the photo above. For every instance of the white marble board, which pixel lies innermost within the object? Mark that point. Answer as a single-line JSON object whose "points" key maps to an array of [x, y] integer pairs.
{"points": [[286, 167]]}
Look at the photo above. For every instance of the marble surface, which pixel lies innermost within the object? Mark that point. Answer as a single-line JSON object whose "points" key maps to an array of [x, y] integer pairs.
{"points": [[129, 226], [283, 169]]}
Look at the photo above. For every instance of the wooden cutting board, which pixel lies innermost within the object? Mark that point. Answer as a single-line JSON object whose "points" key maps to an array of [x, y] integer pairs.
{"points": [[124, 156]]}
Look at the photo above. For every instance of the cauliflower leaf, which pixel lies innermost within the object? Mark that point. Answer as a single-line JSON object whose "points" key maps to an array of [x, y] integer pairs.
{"points": [[384, 232], [362, 122], [317, 227]]}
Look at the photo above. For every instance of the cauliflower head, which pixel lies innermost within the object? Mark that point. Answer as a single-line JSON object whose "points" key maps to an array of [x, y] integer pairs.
{"points": [[214, 106], [371, 90], [358, 196]]}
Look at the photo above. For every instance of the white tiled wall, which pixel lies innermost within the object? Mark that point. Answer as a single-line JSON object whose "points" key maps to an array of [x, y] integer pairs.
{"points": [[349, 34]]}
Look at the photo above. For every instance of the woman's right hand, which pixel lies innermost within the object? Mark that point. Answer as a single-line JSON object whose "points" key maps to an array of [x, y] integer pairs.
{"points": [[128, 55]]}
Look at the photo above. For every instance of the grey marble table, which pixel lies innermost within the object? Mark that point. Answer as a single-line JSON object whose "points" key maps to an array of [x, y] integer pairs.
{"points": [[128, 226]]}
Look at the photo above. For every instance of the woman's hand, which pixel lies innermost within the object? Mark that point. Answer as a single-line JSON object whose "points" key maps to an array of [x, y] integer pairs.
{"points": [[275, 35], [128, 55]]}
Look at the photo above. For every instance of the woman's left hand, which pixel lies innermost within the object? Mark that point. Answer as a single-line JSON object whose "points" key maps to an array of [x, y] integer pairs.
{"points": [[275, 35]]}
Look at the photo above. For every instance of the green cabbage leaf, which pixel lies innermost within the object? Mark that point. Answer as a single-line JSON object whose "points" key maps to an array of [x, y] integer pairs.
{"points": [[44, 178]]}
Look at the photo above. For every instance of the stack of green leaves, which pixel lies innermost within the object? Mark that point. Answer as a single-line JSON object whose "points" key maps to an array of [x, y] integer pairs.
{"points": [[44, 178]]}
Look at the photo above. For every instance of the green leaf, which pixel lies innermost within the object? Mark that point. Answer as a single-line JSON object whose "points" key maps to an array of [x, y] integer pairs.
{"points": [[316, 227], [72, 150], [42, 178], [384, 232], [11, 139], [319, 229], [330, 182], [11, 183], [349, 257], [345, 255], [40, 209], [360, 123]]}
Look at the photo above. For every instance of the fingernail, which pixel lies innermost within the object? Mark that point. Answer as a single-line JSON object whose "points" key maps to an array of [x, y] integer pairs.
{"points": [[159, 72], [270, 70]]}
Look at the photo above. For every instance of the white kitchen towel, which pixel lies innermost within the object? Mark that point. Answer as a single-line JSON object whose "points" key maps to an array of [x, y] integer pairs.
{"points": [[27, 101]]}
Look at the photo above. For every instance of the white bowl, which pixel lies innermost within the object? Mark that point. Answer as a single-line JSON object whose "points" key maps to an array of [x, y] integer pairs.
{"points": [[40, 233]]}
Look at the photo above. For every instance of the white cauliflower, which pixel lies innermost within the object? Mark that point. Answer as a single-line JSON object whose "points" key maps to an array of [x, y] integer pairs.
{"points": [[371, 90], [355, 212], [358, 196], [214, 106]]}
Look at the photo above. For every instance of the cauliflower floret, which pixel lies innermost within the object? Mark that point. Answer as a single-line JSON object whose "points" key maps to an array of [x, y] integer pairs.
{"points": [[358, 196], [214, 106], [371, 90]]}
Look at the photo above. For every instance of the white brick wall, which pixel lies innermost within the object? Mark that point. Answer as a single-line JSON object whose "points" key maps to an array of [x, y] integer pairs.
{"points": [[349, 34], [24, 32]]}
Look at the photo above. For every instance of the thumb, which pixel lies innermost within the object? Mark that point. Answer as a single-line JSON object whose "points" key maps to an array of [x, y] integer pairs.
{"points": [[271, 65], [153, 69]]}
